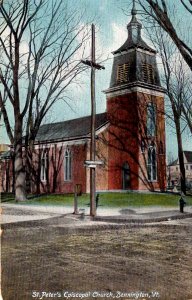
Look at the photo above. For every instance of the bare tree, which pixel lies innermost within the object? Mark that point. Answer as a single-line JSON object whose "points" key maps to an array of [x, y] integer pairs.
{"points": [[48, 171], [57, 162], [159, 11], [187, 104], [175, 50], [41, 44], [177, 83]]}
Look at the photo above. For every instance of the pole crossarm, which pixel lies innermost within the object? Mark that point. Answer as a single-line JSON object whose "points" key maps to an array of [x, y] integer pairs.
{"points": [[93, 64]]}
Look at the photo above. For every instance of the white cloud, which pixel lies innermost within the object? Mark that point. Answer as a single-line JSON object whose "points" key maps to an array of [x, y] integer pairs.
{"points": [[119, 36], [24, 47], [5, 34], [103, 52]]}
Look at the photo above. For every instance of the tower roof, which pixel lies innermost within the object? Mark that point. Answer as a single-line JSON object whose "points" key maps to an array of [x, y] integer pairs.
{"points": [[138, 66], [134, 39]]}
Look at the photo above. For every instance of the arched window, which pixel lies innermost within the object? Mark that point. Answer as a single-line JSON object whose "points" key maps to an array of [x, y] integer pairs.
{"points": [[67, 165], [126, 176], [44, 165], [152, 164], [151, 119]]}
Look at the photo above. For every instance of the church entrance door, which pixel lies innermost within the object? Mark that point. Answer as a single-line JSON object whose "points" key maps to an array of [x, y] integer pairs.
{"points": [[126, 176]]}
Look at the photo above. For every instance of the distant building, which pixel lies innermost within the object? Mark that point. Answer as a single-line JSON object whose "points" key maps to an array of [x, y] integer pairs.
{"points": [[130, 134], [173, 170]]}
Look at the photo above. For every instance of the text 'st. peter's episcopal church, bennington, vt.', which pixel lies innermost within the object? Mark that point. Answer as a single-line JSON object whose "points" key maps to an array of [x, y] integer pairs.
{"points": [[130, 135]]}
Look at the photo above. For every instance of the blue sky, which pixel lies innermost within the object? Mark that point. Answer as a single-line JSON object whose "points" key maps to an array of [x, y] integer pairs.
{"points": [[110, 21]]}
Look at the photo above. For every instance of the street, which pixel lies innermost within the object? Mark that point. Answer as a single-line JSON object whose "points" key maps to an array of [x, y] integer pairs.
{"points": [[55, 259]]}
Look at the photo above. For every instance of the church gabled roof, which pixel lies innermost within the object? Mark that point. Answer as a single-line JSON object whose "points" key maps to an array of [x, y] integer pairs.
{"points": [[69, 130]]}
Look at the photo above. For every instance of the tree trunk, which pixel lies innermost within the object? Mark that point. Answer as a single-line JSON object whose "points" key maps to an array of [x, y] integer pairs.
{"points": [[29, 168], [13, 171], [55, 173], [180, 156], [177, 117], [20, 188]]}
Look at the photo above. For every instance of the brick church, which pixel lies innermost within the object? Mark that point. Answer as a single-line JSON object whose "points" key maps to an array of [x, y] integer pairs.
{"points": [[130, 135]]}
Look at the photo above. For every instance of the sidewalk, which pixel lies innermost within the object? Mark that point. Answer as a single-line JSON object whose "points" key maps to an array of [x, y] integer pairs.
{"points": [[14, 213]]}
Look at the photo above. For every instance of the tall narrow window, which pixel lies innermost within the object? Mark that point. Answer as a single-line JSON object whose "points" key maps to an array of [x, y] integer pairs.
{"points": [[151, 119], [152, 164], [67, 165], [44, 165], [126, 176], [123, 73]]}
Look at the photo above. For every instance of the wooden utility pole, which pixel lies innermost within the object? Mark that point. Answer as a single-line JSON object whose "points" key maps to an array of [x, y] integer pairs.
{"points": [[93, 112], [93, 66]]}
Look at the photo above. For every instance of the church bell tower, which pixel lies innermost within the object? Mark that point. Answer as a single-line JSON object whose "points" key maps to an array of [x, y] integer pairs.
{"points": [[135, 108]]}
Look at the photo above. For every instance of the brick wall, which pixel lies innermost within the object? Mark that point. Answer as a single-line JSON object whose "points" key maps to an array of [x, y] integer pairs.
{"points": [[128, 115], [56, 181]]}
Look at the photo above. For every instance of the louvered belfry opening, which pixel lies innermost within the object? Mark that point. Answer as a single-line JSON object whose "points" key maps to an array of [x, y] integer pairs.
{"points": [[123, 72], [134, 62], [148, 73]]}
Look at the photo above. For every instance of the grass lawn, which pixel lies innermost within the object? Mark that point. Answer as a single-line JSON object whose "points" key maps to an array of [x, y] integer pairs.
{"points": [[107, 199]]}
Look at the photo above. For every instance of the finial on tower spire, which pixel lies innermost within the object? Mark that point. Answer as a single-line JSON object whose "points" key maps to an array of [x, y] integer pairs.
{"points": [[133, 11]]}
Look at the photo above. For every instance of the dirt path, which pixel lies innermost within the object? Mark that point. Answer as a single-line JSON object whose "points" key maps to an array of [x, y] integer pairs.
{"points": [[44, 260]]}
